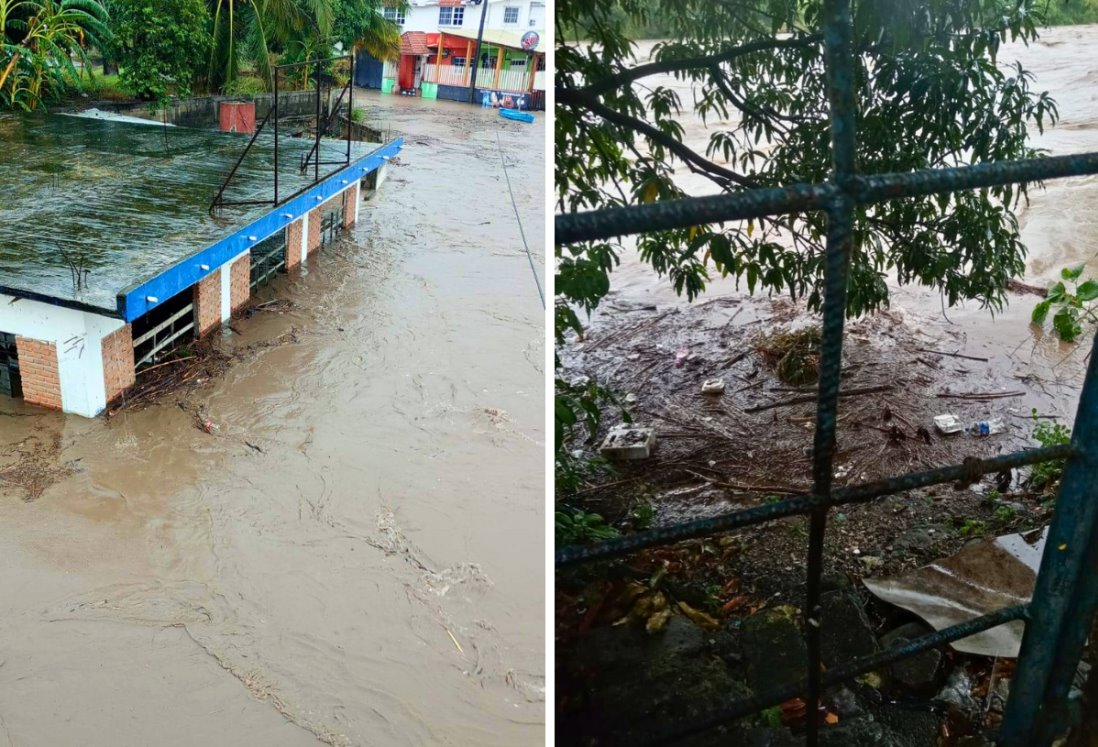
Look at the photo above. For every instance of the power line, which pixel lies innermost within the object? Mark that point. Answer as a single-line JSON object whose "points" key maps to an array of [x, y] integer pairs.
{"points": [[533, 269]]}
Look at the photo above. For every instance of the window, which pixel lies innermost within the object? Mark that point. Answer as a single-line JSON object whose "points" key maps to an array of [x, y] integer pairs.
{"points": [[396, 15], [519, 62], [533, 22], [510, 15], [450, 16], [457, 61]]}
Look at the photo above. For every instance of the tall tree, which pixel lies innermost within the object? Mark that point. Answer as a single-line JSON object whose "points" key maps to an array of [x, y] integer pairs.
{"points": [[157, 44]]}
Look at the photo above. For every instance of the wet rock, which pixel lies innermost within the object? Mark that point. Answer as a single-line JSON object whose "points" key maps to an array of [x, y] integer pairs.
{"points": [[956, 695], [844, 702], [915, 539], [847, 632], [858, 732], [833, 581], [635, 684], [911, 728], [919, 673], [774, 648]]}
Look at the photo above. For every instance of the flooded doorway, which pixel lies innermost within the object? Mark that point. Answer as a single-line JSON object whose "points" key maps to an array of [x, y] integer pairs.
{"points": [[10, 381]]}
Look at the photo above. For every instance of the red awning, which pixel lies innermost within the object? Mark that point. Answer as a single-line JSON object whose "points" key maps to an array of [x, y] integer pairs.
{"points": [[449, 41]]}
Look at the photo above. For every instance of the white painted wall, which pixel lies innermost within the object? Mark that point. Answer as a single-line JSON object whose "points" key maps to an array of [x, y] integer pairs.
{"points": [[227, 287], [78, 336], [422, 15]]}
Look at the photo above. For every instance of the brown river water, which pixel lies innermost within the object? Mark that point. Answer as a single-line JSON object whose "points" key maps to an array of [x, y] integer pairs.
{"points": [[356, 555], [1059, 227]]}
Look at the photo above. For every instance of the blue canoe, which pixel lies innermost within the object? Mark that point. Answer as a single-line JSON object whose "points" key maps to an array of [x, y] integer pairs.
{"points": [[516, 115]]}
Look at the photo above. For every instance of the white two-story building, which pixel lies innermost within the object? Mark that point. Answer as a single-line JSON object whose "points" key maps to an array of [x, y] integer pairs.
{"points": [[438, 51]]}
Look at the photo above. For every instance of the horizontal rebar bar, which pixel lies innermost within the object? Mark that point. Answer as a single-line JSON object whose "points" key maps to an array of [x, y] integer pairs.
{"points": [[755, 203], [971, 469], [844, 672]]}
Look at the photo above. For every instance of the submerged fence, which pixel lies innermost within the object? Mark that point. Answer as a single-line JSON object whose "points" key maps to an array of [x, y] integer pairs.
{"points": [[1059, 615]]}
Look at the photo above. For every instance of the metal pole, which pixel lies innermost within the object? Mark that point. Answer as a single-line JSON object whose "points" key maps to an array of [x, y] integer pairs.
{"points": [[476, 57], [350, 105], [316, 170], [276, 132]]}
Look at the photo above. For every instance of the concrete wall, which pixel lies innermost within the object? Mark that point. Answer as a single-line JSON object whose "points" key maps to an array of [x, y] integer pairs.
{"points": [[204, 112], [77, 340]]}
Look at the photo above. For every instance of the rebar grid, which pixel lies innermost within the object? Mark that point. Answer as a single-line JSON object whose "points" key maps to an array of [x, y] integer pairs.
{"points": [[1066, 592]]}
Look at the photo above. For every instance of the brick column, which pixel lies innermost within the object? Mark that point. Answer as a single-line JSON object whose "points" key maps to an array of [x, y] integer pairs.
{"points": [[316, 217], [240, 282], [350, 206], [118, 367], [39, 371], [207, 303], [293, 244]]}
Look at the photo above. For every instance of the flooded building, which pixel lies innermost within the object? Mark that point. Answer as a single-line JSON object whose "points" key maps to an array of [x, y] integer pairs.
{"points": [[111, 254]]}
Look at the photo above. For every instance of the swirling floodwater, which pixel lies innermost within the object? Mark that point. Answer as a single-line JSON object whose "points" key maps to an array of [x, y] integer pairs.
{"points": [[355, 556]]}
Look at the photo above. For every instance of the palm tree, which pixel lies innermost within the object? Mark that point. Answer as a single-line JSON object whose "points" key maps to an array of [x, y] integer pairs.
{"points": [[250, 30], [38, 40], [255, 30]]}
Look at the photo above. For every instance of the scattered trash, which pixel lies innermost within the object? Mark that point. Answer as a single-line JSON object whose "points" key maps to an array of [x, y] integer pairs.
{"points": [[209, 426], [680, 356], [628, 442], [948, 424], [988, 427], [713, 386], [983, 577], [630, 399]]}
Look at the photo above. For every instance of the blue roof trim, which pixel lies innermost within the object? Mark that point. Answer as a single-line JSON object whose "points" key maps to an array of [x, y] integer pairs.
{"points": [[132, 302]]}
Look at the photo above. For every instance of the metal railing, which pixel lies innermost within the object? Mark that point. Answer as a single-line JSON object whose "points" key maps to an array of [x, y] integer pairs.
{"points": [[1059, 615], [323, 126]]}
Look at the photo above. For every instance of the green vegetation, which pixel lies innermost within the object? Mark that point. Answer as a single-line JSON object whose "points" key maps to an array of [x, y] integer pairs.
{"points": [[156, 44], [39, 40], [1072, 307], [972, 528], [1046, 475], [173, 47], [574, 527], [795, 355]]}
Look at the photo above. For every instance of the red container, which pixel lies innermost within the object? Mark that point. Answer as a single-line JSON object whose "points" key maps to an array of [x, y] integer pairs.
{"points": [[237, 116]]}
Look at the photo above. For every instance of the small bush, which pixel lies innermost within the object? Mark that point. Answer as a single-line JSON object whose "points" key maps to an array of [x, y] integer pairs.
{"points": [[246, 85], [794, 355], [1046, 475], [575, 527]]}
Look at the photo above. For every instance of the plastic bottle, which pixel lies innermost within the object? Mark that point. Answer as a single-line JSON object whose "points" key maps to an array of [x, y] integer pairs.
{"points": [[988, 427]]}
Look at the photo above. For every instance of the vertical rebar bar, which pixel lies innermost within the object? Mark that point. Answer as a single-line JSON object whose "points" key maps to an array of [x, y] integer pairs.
{"points": [[350, 105], [316, 152], [276, 132], [838, 62], [1066, 593]]}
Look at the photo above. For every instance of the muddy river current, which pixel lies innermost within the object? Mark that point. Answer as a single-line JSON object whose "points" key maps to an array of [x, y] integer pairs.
{"points": [[354, 555]]}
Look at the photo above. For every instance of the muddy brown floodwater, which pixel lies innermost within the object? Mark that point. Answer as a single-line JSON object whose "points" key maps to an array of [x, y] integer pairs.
{"points": [[355, 555]]}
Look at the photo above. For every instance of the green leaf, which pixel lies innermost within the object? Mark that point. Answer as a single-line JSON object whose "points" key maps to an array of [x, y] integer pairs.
{"points": [[1066, 324], [564, 413], [1069, 273], [1040, 312], [1056, 292], [1088, 291]]}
